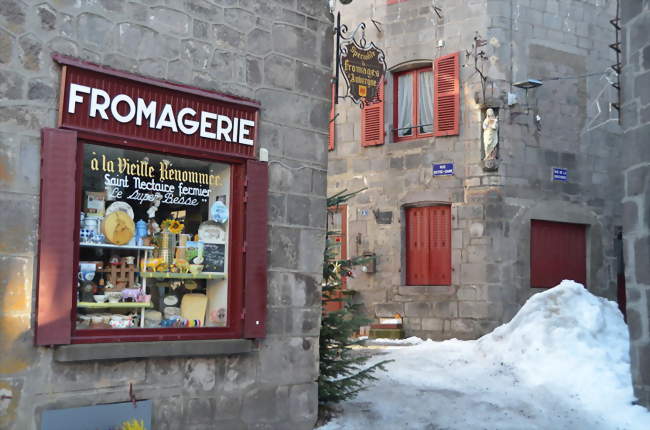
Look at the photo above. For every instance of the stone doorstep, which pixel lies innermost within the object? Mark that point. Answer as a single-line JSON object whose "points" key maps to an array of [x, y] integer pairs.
{"points": [[385, 326], [130, 350]]}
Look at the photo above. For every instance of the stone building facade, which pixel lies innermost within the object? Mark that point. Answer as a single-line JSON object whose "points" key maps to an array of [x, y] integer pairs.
{"points": [[566, 123], [635, 79], [276, 52]]}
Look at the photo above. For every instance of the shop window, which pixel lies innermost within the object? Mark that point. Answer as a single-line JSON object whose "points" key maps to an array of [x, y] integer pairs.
{"points": [[154, 241], [159, 245], [153, 237], [413, 104], [428, 245], [557, 251]]}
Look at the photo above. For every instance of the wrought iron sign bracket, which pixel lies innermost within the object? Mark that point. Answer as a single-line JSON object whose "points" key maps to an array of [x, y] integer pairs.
{"points": [[367, 64]]}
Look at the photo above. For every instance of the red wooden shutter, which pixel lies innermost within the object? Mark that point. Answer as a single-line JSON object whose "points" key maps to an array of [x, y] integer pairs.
{"points": [[59, 224], [428, 245], [257, 188], [330, 143], [372, 121], [557, 251], [446, 99]]}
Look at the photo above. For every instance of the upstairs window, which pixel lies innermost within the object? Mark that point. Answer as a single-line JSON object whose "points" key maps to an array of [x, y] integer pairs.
{"points": [[413, 107]]}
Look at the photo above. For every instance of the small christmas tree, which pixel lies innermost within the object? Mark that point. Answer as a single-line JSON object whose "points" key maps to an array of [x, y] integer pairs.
{"points": [[341, 374]]}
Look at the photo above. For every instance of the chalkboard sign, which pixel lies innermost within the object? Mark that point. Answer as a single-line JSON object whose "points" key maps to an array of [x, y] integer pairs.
{"points": [[214, 257]]}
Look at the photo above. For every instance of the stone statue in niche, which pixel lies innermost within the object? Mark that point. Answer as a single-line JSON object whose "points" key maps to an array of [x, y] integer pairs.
{"points": [[490, 135]]}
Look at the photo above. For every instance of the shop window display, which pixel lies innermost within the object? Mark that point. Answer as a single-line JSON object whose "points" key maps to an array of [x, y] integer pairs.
{"points": [[154, 241]]}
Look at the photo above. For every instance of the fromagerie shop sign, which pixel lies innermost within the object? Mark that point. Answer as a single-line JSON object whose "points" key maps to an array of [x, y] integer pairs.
{"points": [[156, 112]]}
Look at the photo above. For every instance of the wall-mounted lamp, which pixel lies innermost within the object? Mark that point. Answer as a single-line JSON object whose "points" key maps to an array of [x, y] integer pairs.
{"points": [[526, 85]]}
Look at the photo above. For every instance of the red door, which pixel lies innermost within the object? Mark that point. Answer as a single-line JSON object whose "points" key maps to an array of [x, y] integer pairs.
{"points": [[428, 245], [557, 251]]}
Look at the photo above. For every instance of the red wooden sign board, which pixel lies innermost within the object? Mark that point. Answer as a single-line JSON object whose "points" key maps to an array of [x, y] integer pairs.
{"points": [[101, 100]]}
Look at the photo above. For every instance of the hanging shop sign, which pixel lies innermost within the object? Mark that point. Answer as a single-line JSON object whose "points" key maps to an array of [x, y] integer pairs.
{"points": [[363, 64], [363, 67], [155, 112]]}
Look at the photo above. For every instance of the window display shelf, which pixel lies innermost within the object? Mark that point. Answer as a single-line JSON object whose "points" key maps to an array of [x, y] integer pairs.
{"points": [[171, 275], [105, 305], [109, 245]]}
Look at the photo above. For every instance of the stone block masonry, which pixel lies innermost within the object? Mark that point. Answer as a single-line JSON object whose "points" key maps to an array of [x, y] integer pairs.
{"points": [[491, 211], [277, 52], [636, 201]]}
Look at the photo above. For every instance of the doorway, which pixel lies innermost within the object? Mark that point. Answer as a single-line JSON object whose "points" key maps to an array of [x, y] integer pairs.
{"points": [[337, 222]]}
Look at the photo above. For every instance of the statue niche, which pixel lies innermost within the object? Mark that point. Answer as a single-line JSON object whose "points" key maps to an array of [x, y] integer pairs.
{"points": [[490, 139]]}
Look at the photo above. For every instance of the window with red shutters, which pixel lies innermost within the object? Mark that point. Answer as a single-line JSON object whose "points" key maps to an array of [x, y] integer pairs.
{"points": [[428, 245], [372, 121], [330, 142], [557, 251], [413, 104], [447, 95]]}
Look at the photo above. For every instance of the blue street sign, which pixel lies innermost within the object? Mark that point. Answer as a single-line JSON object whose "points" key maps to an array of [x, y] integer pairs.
{"points": [[560, 174], [446, 169]]}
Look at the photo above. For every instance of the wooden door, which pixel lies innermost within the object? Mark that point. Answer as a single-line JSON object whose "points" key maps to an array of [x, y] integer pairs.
{"points": [[428, 245]]}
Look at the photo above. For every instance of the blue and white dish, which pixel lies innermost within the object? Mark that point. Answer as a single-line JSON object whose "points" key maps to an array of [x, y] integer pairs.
{"points": [[219, 212]]}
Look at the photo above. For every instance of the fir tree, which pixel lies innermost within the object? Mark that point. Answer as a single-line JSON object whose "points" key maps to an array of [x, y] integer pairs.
{"points": [[342, 374]]}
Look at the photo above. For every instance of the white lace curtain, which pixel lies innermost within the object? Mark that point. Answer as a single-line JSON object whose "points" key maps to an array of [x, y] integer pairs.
{"points": [[425, 97], [405, 120], [404, 104]]}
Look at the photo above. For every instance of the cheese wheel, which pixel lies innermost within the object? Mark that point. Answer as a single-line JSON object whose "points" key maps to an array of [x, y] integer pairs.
{"points": [[193, 307], [118, 228]]}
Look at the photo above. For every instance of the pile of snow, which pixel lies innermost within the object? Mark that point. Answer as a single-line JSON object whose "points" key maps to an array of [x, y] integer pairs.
{"points": [[561, 363]]}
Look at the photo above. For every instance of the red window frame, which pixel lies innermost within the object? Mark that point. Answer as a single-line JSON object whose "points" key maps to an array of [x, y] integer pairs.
{"points": [[414, 105], [236, 256], [558, 251], [61, 192], [428, 245]]}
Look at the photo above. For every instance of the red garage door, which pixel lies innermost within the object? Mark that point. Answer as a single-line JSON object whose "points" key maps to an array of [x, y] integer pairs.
{"points": [[557, 251]]}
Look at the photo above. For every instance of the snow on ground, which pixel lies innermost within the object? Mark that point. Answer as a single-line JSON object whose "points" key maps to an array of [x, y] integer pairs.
{"points": [[561, 363], [387, 342]]}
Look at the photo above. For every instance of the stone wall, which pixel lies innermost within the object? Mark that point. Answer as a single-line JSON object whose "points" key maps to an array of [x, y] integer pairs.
{"points": [[491, 210], [277, 52], [565, 45], [636, 176]]}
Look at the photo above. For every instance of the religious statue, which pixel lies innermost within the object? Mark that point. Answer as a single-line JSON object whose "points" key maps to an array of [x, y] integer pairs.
{"points": [[490, 135]]}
